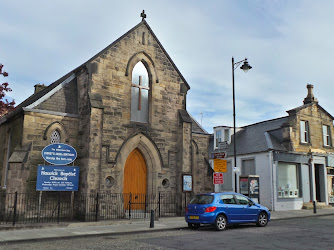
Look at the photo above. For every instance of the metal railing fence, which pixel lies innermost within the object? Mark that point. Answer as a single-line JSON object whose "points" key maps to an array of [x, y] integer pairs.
{"points": [[55, 207]]}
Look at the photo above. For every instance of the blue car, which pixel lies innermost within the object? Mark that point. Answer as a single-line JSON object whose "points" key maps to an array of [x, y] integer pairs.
{"points": [[221, 209]]}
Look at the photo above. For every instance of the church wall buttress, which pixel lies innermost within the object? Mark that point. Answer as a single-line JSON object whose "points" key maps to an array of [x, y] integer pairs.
{"points": [[186, 148], [95, 150], [83, 83]]}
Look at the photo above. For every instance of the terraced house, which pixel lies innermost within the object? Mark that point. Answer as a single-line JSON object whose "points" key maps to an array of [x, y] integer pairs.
{"points": [[292, 155]]}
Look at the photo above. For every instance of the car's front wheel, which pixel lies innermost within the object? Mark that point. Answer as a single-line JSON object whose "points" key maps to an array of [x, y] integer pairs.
{"points": [[193, 225], [220, 222], [262, 221]]}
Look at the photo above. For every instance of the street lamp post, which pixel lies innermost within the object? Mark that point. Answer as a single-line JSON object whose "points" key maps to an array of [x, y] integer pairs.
{"points": [[245, 67]]}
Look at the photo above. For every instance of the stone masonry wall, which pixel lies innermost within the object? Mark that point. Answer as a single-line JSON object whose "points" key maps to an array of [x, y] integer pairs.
{"points": [[15, 127], [95, 151], [83, 83], [35, 125], [316, 118], [166, 98], [3, 153], [201, 174]]}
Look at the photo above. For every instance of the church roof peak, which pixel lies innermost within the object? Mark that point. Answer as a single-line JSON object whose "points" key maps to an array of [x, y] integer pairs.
{"points": [[53, 85]]}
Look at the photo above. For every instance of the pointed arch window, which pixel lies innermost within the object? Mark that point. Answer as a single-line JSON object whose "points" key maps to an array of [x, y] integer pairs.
{"points": [[55, 137], [139, 93]]}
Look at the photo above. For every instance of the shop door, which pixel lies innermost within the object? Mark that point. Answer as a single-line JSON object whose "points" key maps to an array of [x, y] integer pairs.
{"points": [[135, 181], [306, 183], [330, 188], [317, 182], [320, 182]]}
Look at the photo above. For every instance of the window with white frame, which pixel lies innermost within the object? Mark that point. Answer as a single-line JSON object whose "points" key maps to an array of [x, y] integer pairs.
{"points": [[226, 135], [218, 137], [326, 131], [304, 132], [55, 137], [288, 180]]}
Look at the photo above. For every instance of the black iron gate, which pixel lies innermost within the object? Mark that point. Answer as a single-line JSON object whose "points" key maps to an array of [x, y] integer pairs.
{"points": [[42, 207]]}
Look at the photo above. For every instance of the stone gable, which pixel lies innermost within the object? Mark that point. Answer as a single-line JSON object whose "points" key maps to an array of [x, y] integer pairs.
{"points": [[316, 118], [109, 80]]}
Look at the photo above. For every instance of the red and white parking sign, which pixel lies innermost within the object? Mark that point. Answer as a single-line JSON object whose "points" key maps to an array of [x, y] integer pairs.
{"points": [[218, 178]]}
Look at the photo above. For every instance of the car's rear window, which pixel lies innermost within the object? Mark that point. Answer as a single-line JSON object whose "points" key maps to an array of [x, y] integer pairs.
{"points": [[202, 199]]}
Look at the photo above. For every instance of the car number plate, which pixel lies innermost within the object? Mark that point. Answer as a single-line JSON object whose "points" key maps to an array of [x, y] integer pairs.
{"points": [[194, 217]]}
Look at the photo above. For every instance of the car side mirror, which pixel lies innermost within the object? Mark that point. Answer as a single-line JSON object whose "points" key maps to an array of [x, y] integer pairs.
{"points": [[250, 204]]}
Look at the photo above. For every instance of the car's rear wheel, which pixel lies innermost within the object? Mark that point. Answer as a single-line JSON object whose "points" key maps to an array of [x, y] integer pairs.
{"points": [[220, 223], [262, 220], [193, 225]]}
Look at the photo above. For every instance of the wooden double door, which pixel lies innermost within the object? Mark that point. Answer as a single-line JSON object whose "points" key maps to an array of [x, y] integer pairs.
{"points": [[135, 181]]}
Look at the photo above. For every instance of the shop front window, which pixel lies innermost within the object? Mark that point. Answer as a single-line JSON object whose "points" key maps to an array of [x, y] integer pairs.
{"points": [[287, 180]]}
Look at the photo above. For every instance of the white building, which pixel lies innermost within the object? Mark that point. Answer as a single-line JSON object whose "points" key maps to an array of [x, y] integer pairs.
{"points": [[292, 155]]}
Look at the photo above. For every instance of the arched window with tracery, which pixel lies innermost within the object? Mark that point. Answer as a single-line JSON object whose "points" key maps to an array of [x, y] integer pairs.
{"points": [[55, 137], [140, 93]]}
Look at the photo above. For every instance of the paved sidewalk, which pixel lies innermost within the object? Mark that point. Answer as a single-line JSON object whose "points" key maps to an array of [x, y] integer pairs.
{"points": [[122, 227]]}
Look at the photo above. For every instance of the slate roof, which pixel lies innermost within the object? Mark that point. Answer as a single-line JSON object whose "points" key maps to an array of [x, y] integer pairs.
{"points": [[196, 127], [259, 137], [34, 97]]}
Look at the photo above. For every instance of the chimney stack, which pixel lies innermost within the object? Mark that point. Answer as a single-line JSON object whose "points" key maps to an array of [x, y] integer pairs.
{"points": [[310, 97], [39, 87]]}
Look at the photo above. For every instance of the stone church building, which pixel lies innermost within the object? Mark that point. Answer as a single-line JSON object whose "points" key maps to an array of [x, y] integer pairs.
{"points": [[125, 113]]}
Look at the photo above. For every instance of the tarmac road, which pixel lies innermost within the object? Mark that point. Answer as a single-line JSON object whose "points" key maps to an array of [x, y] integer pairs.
{"points": [[295, 233]]}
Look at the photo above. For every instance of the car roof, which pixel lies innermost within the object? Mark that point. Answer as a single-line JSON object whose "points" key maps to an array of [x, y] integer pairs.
{"points": [[218, 193]]}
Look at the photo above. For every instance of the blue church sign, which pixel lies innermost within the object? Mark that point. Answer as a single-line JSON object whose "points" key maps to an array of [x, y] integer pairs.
{"points": [[57, 178], [59, 154]]}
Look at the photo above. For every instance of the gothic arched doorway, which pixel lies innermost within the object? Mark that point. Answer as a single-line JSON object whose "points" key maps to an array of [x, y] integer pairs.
{"points": [[135, 181]]}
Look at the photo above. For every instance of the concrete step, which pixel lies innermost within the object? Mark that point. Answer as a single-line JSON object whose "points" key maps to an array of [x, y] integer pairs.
{"points": [[319, 205]]}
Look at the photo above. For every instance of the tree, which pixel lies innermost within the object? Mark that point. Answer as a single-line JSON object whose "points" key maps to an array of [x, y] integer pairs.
{"points": [[5, 106]]}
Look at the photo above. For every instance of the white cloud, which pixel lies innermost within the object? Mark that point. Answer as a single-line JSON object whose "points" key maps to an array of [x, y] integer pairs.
{"points": [[288, 43]]}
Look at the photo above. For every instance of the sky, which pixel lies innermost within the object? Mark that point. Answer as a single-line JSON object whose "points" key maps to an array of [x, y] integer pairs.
{"points": [[288, 43]]}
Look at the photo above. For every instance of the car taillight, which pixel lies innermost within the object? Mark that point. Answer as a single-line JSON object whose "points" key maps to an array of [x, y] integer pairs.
{"points": [[186, 209], [210, 209]]}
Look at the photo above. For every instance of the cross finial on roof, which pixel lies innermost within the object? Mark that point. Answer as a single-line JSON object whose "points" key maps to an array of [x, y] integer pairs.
{"points": [[143, 15]]}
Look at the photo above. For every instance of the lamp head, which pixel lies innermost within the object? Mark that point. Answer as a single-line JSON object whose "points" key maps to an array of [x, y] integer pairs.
{"points": [[245, 67]]}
